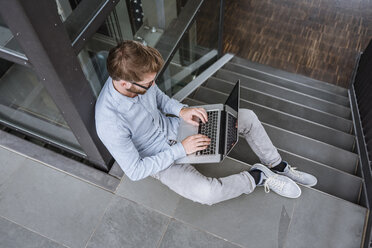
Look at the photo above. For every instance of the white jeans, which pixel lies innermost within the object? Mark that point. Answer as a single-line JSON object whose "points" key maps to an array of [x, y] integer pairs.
{"points": [[185, 180]]}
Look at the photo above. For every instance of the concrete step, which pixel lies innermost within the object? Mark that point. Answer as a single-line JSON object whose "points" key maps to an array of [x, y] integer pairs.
{"points": [[307, 147], [289, 84], [282, 92], [309, 220], [315, 213], [329, 179], [282, 104], [283, 120], [291, 76]]}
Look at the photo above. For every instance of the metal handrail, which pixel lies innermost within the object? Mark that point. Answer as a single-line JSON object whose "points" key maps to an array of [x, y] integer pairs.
{"points": [[170, 40], [360, 93]]}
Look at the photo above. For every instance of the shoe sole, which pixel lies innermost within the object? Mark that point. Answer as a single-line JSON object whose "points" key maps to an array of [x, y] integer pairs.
{"points": [[306, 185]]}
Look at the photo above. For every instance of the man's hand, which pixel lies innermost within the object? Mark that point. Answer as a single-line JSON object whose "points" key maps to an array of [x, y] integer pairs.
{"points": [[196, 142], [189, 115]]}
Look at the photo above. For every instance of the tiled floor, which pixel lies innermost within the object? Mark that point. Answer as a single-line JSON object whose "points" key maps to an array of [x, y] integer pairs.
{"points": [[44, 207]]}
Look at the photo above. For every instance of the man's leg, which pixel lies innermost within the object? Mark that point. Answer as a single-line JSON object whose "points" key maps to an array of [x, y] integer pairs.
{"points": [[251, 128], [186, 181]]}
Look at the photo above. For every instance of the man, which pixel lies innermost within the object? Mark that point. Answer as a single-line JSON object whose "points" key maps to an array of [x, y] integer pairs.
{"points": [[131, 122]]}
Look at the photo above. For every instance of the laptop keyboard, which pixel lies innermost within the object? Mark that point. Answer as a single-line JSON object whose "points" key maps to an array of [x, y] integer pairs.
{"points": [[231, 132], [209, 129]]}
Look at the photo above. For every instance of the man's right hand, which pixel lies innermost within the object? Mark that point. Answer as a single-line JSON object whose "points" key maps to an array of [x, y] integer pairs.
{"points": [[196, 142]]}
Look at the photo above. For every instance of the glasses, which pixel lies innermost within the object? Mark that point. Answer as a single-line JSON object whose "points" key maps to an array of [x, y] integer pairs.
{"points": [[144, 87]]}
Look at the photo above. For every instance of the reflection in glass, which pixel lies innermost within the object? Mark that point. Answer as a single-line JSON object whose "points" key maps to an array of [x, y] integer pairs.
{"points": [[25, 104], [77, 15], [7, 40], [196, 51], [150, 19], [93, 56]]}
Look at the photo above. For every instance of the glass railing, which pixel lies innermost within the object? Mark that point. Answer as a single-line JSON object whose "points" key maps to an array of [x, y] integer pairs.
{"points": [[26, 106], [186, 36], [190, 46], [186, 32]]}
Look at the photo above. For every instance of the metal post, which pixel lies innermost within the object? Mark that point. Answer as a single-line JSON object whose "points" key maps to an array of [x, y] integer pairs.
{"points": [[42, 36], [220, 28]]}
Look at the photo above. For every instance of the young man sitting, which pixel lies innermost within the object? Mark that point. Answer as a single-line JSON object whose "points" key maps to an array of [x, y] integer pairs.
{"points": [[131, 122]]}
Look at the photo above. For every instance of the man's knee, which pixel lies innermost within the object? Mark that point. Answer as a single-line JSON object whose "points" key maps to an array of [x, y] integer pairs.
{"points": [[206, 196], [246, 119]]}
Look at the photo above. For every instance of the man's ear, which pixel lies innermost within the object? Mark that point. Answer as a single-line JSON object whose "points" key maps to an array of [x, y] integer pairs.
{"points": [[124, 84]]}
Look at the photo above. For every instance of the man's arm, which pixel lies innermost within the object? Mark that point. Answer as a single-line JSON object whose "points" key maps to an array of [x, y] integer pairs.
{"points": [[166, 104], [135, 167], [172, 106]]}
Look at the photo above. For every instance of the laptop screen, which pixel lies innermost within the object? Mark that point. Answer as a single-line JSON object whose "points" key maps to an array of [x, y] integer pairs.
{"points": [[233, 99], [232, 131]]}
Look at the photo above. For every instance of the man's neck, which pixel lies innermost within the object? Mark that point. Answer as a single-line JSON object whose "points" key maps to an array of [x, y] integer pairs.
{"points": [[124, 92]]}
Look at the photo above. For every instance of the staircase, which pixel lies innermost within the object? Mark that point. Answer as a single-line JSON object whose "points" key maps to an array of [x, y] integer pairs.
{"points": [[310, 123]]}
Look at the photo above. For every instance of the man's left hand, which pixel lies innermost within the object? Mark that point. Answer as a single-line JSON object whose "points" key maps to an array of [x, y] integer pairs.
{"points": [[189, 115]]}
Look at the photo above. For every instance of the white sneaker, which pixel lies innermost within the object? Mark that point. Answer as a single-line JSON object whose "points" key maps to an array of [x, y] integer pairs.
{"points": [[299, 177], [281, 185]]}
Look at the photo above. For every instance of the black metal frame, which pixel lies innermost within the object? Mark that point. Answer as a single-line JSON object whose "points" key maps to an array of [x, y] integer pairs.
{"points": [[360, 91], [50, 48], [220, 28], [14, 57], [80, 15], [47, 45]]}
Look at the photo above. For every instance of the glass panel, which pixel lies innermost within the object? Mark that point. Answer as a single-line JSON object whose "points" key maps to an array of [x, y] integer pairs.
{"points": [[7, 40], [25, 105], [93, 56], [197, 50], [65, 7], [151, 18], [76, 14]]}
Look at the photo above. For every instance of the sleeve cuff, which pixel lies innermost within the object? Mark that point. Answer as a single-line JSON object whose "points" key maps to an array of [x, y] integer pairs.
{"points": [[178, 107], [178, 151]]}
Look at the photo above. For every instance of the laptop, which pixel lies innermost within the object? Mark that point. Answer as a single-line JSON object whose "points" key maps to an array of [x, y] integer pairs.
{"points": [[220, 128]]}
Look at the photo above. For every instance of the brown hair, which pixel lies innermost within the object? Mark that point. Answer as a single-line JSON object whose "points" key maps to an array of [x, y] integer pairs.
{"points": [[130, 60]]}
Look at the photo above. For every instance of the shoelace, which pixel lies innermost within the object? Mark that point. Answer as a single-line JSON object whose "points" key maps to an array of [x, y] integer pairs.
{"points": [[295, 173], [274, 183]]}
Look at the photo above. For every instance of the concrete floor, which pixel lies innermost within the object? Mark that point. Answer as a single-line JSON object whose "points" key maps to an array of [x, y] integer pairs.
{"points": [[41, 206]]}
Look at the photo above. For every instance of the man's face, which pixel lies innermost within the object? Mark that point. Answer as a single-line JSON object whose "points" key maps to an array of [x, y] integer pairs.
{"points": [[147, 82]]}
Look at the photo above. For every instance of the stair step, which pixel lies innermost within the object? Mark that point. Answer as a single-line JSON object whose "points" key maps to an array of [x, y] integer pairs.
{"points": [[289, 84], [316, 214], [315, 219], [307, 147], [291, 76], [283, 105], [313, 149], [283, 120], [288, 94], [330, 180]]}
